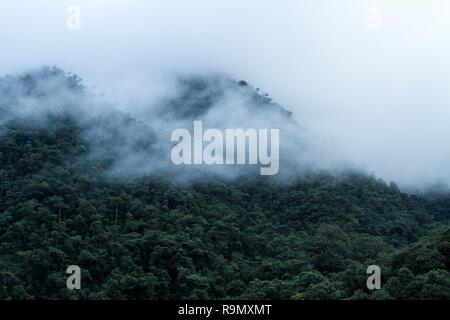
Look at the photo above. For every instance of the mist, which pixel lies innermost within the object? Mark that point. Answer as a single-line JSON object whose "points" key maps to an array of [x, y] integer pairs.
{"points": [[367, 81]]}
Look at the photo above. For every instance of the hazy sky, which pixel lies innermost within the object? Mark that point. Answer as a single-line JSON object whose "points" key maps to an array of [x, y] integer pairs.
{"points": [[370, 77]]}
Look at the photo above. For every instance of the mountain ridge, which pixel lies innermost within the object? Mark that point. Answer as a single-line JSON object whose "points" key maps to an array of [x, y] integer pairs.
{"points": [[149, 237]]}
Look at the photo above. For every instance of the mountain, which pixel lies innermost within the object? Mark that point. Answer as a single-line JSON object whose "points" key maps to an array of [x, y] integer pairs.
{"points": [[150, 237], [196, 95]]}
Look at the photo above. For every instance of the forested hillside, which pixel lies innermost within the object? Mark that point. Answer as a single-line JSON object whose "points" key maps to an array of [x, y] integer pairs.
{"points": [[150, 237]]}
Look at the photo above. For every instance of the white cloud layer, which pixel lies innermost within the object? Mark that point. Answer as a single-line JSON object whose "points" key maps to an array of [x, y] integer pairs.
{"points": [[381, 95]]}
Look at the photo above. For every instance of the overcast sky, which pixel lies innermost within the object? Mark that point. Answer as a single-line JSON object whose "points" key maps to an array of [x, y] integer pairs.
{"points": [[371, 77]]}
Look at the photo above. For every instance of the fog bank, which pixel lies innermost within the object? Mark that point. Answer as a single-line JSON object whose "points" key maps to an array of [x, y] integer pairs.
{"points": [[369, 78]]}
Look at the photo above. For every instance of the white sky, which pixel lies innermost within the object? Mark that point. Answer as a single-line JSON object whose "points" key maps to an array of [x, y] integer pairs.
{"points": [[382, 95]]}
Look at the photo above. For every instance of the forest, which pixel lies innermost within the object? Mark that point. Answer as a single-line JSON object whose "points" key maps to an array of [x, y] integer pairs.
{"points": [[150, 237]]}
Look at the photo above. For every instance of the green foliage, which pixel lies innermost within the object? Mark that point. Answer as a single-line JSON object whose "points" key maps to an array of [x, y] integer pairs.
{"points": [[151, 239]]}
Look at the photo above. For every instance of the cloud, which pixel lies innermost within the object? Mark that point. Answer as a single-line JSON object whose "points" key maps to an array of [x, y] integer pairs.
{"points": [[123, 146], [379, 96]]}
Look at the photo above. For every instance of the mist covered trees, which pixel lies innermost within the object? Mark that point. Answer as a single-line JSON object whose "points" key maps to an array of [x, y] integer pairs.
{"points": [[253, 238], [150, 239]]}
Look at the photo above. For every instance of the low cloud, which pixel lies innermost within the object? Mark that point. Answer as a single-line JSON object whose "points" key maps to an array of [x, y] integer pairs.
{"points": [[375, 99]]}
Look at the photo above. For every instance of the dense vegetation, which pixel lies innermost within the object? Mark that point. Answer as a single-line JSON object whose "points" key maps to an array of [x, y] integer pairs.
{"points": [[147, 238], [150, 238]]}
